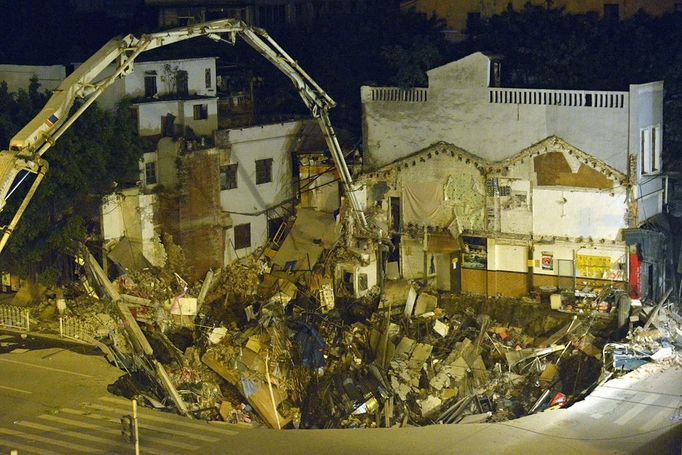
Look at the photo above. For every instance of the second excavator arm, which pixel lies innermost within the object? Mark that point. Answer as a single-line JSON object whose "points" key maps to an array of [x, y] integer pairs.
{"points": [[92, 77]]}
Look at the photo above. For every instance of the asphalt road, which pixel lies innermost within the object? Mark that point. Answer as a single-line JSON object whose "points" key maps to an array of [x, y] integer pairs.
{"points": [[54, 400]]}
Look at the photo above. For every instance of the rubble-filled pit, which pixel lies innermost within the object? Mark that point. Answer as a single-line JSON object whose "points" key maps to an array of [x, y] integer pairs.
{"points": [[260, 350], [453, 359]]}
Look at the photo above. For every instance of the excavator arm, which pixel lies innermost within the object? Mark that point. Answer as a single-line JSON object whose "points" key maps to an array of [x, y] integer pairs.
{"points": [[90, 79]]}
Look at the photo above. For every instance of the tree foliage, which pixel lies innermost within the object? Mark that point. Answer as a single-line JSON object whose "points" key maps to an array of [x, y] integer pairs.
{"points": [[100, 151]]}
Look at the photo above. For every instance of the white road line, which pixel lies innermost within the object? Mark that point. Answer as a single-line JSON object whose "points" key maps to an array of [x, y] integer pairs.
{"points": [[661, 418], [636, 409], [90, 426], [17, 445], [142, 424], [46, 368], [49, 441], [151, 415], [14, 390], [73, 434]]}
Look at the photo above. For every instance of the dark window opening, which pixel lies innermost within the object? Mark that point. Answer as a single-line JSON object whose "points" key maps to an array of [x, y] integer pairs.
{"points": [[242, 236], [207, 77], [150, 88], [200, 111], [182, 81], [150, 173], [274, 224], [228, 177], [395, 214], [263, 171]]}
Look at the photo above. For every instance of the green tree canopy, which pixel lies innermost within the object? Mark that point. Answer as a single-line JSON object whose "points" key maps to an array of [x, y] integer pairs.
{"points": [[100, 151]]}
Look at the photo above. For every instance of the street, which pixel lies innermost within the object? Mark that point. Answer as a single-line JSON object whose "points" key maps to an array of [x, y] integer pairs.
{"points": [[55, 400]]}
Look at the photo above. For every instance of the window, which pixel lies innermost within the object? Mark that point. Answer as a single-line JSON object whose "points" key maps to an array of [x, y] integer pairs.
{"points": [[150, 84], [182, 81], [150, 173], [263, 171], [611, 12], [207, 77], [228, 177], [242, 236], [650, 150], [200, 111]]}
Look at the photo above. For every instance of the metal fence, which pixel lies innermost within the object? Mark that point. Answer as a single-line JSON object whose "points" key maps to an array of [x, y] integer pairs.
{"points": [[14, 317], [77, 329]]}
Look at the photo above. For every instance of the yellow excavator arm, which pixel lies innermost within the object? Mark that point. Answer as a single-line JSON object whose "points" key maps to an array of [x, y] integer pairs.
{"points": [[26, 148]]}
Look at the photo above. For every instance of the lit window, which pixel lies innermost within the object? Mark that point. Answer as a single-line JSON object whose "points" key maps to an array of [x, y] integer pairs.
{"points": [[150, 173], [228, 177], [242, 236], [200, 111], [263, 171]]}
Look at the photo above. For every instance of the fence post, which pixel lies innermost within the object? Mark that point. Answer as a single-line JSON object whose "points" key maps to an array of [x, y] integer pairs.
{"points": [[28, 320]]}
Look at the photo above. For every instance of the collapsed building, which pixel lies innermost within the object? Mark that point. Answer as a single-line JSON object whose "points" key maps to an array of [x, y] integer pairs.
{"points": [[507, 247]]}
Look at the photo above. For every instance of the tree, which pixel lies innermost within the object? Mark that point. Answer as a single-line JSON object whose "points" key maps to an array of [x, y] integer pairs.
{"points": [[100, 151]]}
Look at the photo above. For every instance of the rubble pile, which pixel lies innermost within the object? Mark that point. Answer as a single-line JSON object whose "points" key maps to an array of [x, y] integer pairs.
{"points": [[255, 346]]}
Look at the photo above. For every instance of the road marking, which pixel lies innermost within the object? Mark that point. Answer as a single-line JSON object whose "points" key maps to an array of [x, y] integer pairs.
{"points": [[90, 426], [149, 427], [73, 434], [636, 409], [15, 390], [17, 445], [47, 368], [35, 437], [660, 419], [178, 421]]}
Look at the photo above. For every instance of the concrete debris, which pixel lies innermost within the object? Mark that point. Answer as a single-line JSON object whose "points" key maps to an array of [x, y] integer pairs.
{"points": [[261, 345]]}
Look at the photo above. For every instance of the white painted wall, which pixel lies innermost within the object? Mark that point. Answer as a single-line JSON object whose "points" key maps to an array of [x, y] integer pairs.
{"points": [[247, 145], [19, 76], [133, 85], [575, 213], [508, 258], [150, 114], [567, 251], [130, 214], [457, 108]]}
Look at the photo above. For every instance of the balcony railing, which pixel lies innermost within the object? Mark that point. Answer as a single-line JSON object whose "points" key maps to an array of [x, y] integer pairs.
{"points": [[413, 95], [571, 98]]}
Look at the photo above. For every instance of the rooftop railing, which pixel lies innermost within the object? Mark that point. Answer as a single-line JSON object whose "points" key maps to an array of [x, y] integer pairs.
{"points": [[413, 95], [571, 98]]}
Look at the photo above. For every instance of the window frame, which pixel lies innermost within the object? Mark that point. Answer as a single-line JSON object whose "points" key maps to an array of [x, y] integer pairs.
{"points": [[150, 170], [226, 170], [148, 90], [208, 78], [260, 178], [243, 238], [200, 111]]}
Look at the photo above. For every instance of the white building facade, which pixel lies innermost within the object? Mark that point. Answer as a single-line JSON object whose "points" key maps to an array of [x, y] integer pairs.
{"points": [[494, 190], [170, 96]]}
